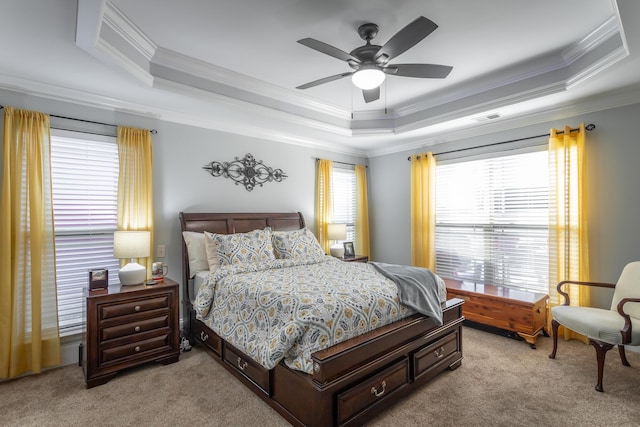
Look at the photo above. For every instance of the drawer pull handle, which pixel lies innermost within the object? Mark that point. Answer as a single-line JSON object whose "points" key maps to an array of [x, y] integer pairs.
{"points": [[439, 353], [137, 329], [241, 365], [203, 336], [137, 349], [375, 392], [136, 308]]}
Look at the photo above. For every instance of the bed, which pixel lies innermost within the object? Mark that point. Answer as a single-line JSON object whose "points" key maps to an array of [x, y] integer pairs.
{"points": [[345, 383]]}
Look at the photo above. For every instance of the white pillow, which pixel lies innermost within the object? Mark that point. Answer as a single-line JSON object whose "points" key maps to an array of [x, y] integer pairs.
{"points": [[196, 252], [211, 247]]}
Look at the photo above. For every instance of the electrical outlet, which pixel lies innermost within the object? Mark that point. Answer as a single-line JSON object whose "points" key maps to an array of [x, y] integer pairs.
{"points": [[160, 251]]}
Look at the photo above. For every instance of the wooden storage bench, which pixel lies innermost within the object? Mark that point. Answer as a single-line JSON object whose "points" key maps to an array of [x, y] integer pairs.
{"points": [[501, 307]]}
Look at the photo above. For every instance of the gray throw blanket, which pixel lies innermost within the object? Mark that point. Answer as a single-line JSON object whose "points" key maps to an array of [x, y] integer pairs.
{"points": [[417, 288]]}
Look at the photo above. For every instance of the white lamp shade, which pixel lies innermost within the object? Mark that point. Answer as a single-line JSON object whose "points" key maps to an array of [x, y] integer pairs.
{"points": [[132, 244], [368, 77], [336, 231]]}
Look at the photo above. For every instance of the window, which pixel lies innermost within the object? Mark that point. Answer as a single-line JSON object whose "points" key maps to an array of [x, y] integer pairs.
{"points": [[492, 221], [85, 187], [343, 193]]}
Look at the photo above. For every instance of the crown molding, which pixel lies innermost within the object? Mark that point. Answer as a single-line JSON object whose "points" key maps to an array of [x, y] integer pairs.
{"points": [[239, 127], [176, 64], [612, 100], [473, 129], [128, 31], [609, 29], [155, 63], [246, 107], [251, 107]]}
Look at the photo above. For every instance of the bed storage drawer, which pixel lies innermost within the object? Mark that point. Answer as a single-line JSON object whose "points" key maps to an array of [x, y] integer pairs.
{"points": [[247, 367], [208, 338], [371, 392], [429, 358]]}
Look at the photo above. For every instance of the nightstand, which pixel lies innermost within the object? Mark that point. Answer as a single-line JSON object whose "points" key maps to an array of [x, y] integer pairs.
{"points": [[128, 326], [356, 258]]}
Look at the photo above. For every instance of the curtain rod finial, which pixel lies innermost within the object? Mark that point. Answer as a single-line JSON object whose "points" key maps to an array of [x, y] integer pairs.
{"points": [[590, 127]]}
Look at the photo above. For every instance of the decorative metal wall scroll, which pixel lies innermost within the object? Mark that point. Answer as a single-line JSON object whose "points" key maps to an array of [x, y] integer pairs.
{"points": [[246, 171]]}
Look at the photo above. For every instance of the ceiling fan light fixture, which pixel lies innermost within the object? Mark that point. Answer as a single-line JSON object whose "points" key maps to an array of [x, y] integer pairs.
{"points": [[368, 77]]}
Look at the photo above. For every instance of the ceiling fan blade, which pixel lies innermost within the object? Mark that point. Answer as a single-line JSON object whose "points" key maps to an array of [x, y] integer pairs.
{"points": [[405, 39], [328, 49], [324, 80], [427, 71], [371, 95]]}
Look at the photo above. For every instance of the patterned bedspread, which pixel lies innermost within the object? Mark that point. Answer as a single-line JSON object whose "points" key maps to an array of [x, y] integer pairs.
{"points": [[288, 310]]}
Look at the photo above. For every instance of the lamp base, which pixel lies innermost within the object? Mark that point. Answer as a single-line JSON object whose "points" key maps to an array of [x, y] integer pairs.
{"points": [[337, 250], [132, 274]]}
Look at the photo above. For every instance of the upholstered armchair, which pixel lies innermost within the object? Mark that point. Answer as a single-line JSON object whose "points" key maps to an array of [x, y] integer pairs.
{"points": [[620, 325]]}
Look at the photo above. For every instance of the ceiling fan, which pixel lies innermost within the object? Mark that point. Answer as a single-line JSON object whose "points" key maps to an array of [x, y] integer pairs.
{"points": [[371, 62]]}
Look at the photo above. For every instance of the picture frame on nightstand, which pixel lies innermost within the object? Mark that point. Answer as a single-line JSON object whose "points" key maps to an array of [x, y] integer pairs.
{"points": [[98, 278], [349, 251]]}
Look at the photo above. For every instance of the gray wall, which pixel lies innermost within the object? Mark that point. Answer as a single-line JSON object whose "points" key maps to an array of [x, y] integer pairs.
{"points": [[613, 180], [179, 181]]}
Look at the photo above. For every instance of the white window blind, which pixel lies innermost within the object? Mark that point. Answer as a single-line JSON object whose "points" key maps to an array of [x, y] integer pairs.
{"points": [[85, 187], [343, 193], [492, 221]]}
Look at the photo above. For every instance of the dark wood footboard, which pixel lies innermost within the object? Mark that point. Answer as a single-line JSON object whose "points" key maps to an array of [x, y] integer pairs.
{"points": [[354, 380]]}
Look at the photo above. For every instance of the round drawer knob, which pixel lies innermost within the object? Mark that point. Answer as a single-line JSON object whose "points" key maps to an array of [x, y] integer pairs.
{"points": [[137, 308], [137, 349], [137, 329]]}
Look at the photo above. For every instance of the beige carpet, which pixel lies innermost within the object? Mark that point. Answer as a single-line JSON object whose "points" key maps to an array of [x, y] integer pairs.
{"points": [[502, 382]]}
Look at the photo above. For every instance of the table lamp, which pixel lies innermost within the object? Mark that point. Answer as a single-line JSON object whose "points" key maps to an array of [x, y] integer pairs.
{"points": [[132, 244], [337, 232]]}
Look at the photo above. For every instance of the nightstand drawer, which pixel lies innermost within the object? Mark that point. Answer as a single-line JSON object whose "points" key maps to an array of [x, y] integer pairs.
{"points": [[134, 349], [109, 311], [134, 328]]}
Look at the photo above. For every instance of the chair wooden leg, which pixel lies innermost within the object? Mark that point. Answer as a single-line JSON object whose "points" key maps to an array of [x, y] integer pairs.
{"points": [[623, 356], [554, 332], [601, 351]]}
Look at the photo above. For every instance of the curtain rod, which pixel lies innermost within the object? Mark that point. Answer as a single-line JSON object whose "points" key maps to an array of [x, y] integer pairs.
{"points": [[342, 163], [588, 127], [153, 131]]}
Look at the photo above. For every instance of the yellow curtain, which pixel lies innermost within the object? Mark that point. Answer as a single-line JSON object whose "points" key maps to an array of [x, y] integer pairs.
{"points": [[362, 245], [29, 335], [423, 210], [135, 192], [324, 211], [568, 240]]}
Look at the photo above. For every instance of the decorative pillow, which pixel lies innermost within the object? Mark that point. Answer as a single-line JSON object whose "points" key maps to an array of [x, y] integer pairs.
{"points": [[196, 252], [252, 247], [298, 245], [211, 248]]}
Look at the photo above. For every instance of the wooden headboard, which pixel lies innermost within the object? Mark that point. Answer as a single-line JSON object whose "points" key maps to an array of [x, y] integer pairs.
{"points": [[229, 223]]}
